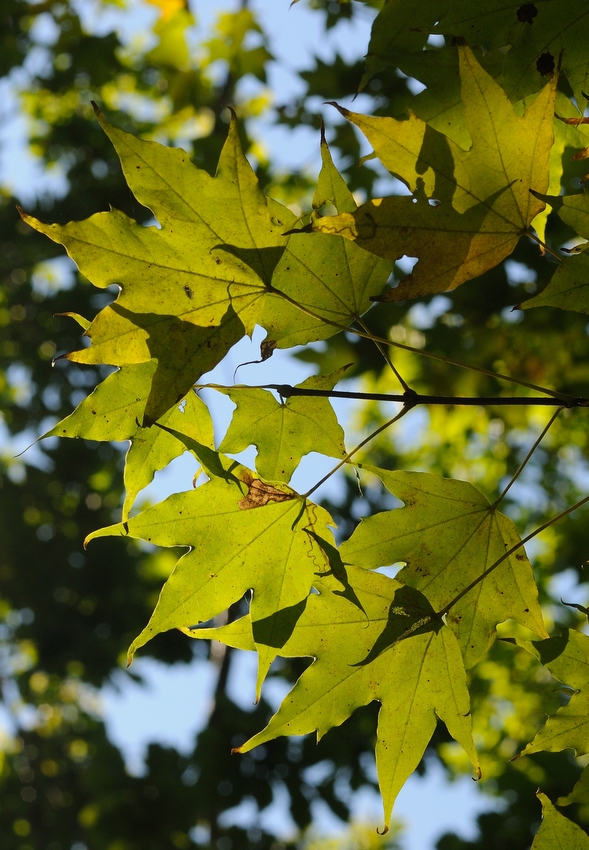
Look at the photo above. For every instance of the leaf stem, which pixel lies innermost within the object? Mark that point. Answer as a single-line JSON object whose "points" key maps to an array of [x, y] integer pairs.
{"points": [[405, 409], [386, 357], [543, 245], [527, 458]]}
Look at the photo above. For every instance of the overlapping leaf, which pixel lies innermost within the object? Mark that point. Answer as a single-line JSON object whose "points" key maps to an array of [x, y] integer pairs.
{"points": [[243, 535], [284, 432], [448, 535], [372, 647], [194, 285], [567, 658], [469, 208], [537, 34], [323, 276], [114, 411]]}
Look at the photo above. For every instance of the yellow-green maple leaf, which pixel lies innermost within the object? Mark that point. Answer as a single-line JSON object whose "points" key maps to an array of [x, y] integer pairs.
{"points": [[469, 208], [448, 534], [284, 432], [361, 656], [217, 263], [568, 288], [243, 534], [114, 411]]}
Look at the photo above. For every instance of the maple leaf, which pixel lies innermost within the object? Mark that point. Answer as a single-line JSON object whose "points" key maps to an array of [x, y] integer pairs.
{"points": [[557, 832], [243, 534], [362, 653], [284, 432], [184, 299], [114, 411], [469, 208], [216, 265], [567, 658], [448, 534]]}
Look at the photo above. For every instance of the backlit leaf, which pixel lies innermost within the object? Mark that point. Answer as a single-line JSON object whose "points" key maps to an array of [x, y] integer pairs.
{"points": [[114, 411], [448, 534], [469, 208], [242, 535], [361, 656], [537, 33], [284, 432], [568, 288], [213, 268]]}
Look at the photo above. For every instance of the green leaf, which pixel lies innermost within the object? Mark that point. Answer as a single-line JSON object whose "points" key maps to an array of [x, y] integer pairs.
{"points": [[568, 288], [330, 278], [284, 432], [153, 448], [565, 136], [567, 658], [243, 535], [185, 300], [360, 656], [483, 194], [440, 104], [401, 26], [448, 534], [557, 832], [537, 32], [569, 285]]}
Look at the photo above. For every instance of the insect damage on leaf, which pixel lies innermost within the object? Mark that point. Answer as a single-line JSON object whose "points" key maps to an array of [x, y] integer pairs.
{"points": [[259, 493]]}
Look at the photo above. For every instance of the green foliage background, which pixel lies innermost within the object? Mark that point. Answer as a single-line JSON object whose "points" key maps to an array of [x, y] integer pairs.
{"points": [[477, 139]]}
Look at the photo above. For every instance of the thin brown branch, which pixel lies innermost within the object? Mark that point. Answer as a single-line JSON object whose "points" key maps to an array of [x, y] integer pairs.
{"points": [[406, 408], [527, 457]]}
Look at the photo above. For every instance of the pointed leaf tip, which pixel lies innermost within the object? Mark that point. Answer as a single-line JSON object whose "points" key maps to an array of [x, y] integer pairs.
{"points": [[341, 109]]}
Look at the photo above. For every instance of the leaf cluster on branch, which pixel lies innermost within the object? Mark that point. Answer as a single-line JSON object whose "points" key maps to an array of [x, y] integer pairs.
{"points": [[479, 157]]}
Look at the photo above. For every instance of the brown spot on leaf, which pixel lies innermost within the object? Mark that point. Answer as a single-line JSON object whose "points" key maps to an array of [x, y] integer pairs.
{"points": [[259, 493], [545, 64], [527, 13], [267, 348]]}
